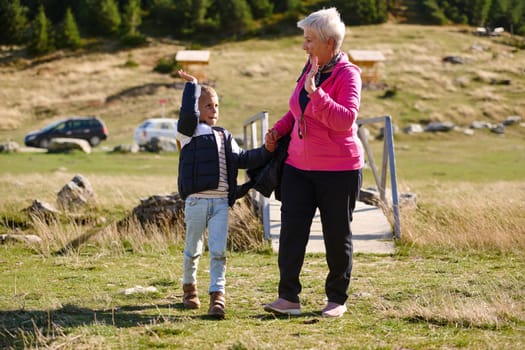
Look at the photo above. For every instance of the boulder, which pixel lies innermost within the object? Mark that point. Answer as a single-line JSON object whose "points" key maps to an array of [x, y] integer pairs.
{"points": [[30, 239], [75, 194], [133, 148], [64, 145], [514, 119], [161, 210], [439, 126], [9, 147], [157, 144], [41, 210]]}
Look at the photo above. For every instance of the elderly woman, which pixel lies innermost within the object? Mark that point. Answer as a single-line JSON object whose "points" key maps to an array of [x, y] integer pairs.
{"points": [[323, 168]]}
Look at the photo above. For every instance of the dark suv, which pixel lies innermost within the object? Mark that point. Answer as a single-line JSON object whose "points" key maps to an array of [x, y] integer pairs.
{"points": [[91, 129]]}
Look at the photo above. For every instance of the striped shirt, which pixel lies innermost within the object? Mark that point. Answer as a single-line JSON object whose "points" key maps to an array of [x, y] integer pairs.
{"points": [[222, 190]]}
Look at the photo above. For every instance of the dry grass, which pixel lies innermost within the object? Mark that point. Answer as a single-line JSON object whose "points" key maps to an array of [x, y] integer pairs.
{"points": [[115, 197], [468, 216], [487, 216]]}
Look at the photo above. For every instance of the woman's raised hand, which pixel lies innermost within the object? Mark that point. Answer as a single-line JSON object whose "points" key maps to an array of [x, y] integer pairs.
{"points": [[309, 83]]}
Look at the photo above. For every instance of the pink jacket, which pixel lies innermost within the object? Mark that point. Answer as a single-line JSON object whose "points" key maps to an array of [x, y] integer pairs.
{"points": [[329, 128]]}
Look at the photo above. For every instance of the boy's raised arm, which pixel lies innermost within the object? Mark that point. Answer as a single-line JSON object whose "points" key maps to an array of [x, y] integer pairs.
{"points": [[189, 111]]}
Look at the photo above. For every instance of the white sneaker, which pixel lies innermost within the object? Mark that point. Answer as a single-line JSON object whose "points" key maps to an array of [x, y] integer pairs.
{"points": [[333, 310]]}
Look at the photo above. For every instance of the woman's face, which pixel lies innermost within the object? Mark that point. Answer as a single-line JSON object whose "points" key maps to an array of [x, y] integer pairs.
{"points": [[209, 109], [314, 46]]}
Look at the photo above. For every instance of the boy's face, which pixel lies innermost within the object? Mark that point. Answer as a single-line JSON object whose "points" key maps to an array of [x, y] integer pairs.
{"points": [[209, 109]]}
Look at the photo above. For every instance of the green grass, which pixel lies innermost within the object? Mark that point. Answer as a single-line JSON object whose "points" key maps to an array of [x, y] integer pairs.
{"points": [[98, 162], [484, 157], [414, 299]]}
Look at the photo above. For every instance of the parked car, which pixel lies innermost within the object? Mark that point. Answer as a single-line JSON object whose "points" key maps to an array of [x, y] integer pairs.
{"points": [[155, 128], [91, 129]]}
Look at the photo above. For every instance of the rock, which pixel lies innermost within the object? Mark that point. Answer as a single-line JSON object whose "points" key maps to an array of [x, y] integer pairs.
{"points": [[139, 290], [515, 119], [371, 196], [161, 210], [133, 148], [42, 210], [498, 129], [76, 193], [64, 145], [9, 147], [157, 144], [439, 126], [453, 59], [480, 125], [413, 129], [30, 239]]}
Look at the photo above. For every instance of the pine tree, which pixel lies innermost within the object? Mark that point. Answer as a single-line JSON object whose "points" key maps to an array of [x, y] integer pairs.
{"points": [[198, 12], [13, 22], [107, 16], [235, 16], [68, 35], [261, 8], [357, 12], [41, 41], [132, 18]]}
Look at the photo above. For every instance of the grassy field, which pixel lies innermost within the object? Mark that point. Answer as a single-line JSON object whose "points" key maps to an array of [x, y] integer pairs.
{"points": [[423, 299], [455, 281]]}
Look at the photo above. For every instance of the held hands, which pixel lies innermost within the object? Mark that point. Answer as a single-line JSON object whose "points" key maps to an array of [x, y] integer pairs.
{"points": [[309, 83], [188, 77], [270, 139]]}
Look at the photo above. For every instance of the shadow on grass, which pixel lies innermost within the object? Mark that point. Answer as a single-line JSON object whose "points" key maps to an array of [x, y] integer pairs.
{"points": [[309, 317], [19, 325]]}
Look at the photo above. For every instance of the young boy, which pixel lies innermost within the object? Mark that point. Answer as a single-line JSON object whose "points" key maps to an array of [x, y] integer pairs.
{"points": [[208, 166]]}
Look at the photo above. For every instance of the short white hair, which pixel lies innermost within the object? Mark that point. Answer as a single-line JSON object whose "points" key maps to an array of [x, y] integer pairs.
{"points": [[326, 23]]}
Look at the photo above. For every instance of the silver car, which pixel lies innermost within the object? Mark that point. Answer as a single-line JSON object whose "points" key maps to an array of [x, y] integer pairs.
{"points": [[155, 128]]}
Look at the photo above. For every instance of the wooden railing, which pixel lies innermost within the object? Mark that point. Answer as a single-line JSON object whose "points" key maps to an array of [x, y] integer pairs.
{"points": [[387, 159], [253, 139]]}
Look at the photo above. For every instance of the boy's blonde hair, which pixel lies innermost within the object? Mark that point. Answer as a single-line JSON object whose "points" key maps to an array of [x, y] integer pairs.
{"points": [[208, 91]]}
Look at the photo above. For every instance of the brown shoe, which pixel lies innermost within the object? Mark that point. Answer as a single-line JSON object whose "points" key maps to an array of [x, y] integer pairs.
{"points": [[190, 298], [217, 303]]}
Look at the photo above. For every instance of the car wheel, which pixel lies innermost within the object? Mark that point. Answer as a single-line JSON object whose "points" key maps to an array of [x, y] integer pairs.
{"points": [[44, 143], [95, 140]]}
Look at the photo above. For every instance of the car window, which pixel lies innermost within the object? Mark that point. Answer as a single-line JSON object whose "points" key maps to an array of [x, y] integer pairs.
{"points": [[60, 126], [166, 126], [77, 124]]}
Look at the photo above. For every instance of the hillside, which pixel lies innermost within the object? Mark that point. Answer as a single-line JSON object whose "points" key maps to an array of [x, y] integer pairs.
{"points": [[121, 87]]}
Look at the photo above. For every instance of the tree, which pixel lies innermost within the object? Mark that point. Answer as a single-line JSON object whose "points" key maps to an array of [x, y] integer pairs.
{"points": [[235, 16], [198, 12], [132, 18], [287, 5], [67, 33], [13, 22], [358, 11], [477, 11], [261, 8], [41, 40], [107, 16]]}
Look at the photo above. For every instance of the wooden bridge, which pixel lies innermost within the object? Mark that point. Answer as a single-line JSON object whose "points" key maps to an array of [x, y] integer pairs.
{"points": [[371, 231]]}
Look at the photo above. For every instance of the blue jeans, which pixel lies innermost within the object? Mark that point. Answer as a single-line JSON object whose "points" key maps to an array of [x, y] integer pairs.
{"points": [[202, 213]]}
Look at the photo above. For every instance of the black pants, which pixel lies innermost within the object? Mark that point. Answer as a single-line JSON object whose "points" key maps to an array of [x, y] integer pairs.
{"points": [[335, 194]]}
